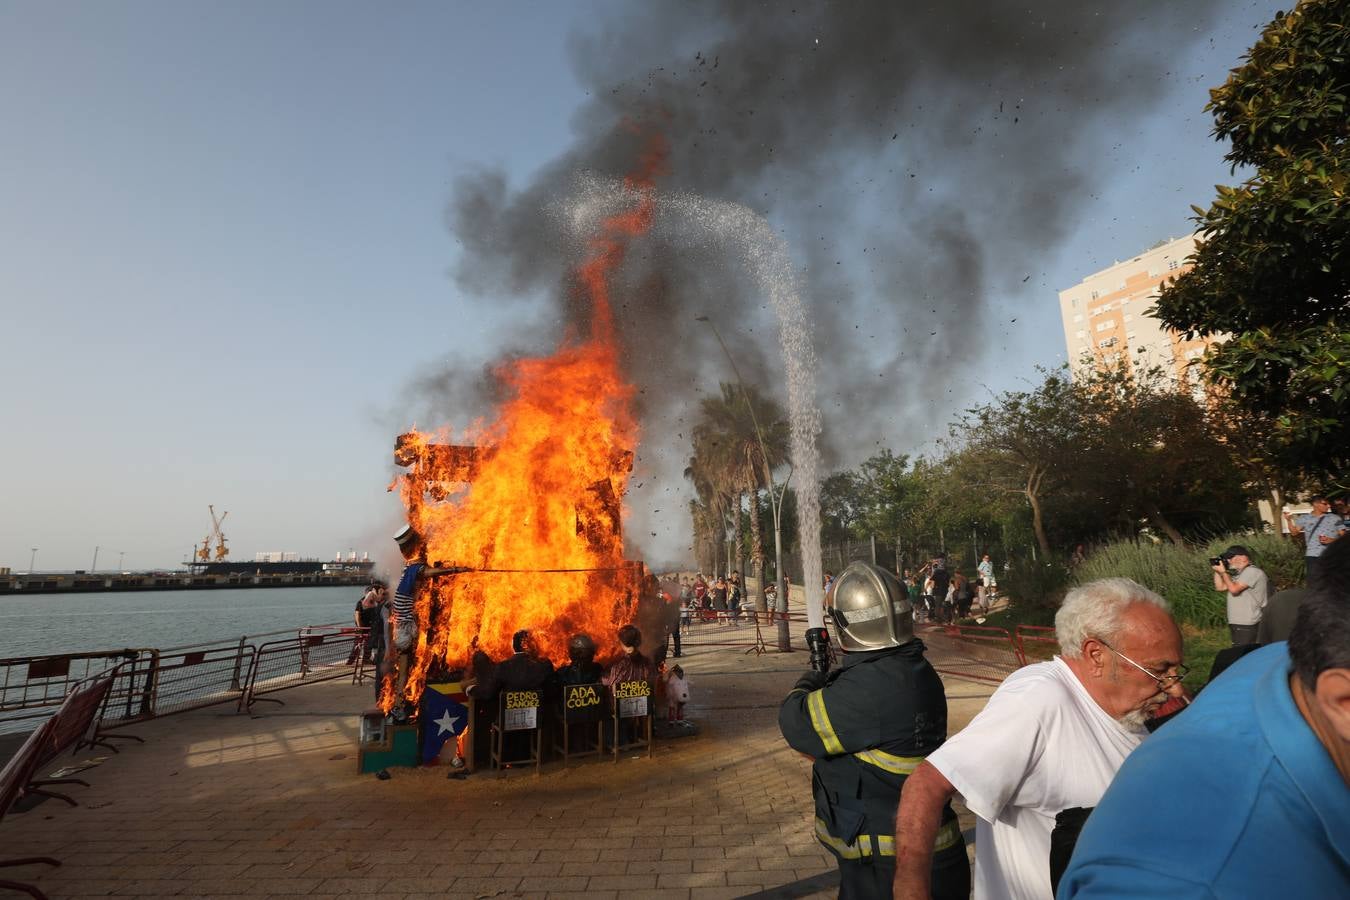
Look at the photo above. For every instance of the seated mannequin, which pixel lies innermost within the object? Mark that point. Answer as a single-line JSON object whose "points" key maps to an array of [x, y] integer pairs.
{"points": [[582, 669], [632, 665]]}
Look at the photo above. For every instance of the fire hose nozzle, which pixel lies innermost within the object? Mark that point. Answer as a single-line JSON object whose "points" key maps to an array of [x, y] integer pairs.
{"points": [[818, 642]]}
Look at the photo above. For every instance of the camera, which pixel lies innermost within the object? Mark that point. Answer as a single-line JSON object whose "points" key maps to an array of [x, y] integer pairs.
{"points": [[1216, 560]]}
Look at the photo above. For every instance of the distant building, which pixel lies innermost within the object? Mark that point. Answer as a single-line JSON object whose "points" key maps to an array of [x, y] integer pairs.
{"points": [[1105, 322], [276, 556]]}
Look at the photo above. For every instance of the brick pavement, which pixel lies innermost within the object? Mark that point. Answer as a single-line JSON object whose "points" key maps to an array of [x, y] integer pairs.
{"points": [[218, 804]]}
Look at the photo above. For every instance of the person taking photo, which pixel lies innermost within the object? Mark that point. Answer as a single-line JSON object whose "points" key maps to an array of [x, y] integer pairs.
{"points": [[1247, 589]]}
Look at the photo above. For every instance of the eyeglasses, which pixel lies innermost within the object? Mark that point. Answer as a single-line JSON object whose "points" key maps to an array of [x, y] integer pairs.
{"points": [[1164, 681]]}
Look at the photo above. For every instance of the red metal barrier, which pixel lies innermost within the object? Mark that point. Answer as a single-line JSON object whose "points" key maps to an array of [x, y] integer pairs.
{"points": [[978, 652], [1035, 643]]}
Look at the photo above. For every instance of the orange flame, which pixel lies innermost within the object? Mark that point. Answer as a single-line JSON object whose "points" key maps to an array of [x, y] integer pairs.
{"points": [[538, 491]]}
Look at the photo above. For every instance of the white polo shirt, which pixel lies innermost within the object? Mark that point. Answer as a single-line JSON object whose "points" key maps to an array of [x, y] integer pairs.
{"points": [[1040, 746]]}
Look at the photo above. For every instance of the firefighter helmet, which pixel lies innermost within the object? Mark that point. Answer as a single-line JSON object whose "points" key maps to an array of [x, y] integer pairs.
{"points": [[870, 608]]}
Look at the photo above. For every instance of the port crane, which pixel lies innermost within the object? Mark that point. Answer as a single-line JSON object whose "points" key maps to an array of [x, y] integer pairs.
{"points": [[222, 551]]}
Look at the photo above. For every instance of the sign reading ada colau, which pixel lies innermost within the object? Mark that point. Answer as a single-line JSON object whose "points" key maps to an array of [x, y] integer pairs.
{"points": [[583, 702], [632, 698], [520, 710]]}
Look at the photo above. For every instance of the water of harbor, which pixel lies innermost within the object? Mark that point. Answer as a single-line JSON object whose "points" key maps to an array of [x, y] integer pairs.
{"points": [[39, 624]]}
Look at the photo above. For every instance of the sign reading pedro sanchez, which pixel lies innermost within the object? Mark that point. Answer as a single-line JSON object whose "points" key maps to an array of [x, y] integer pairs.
{"points": [[583, 702], [632, 698], [520, 710]]}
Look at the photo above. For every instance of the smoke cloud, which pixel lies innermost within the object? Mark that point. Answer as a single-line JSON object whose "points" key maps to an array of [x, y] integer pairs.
{"points": [[918, 158]]}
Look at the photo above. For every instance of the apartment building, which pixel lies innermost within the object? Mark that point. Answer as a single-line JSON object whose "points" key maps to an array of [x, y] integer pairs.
{"points": [[1104, 315]]}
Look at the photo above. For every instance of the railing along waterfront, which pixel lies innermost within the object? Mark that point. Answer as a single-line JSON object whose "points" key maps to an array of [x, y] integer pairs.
{"points": [[151, 682], [33, 687], [317, 653]]}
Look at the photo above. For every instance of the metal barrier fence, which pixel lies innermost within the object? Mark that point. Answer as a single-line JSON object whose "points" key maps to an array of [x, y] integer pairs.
{"points": [[320, 653], [32, 687], [1035, 643], [708, 629], [977, 652], [149, 683]]}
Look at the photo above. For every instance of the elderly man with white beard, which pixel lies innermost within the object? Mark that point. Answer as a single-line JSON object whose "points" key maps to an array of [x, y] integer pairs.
{"points": [[1050, 739]]}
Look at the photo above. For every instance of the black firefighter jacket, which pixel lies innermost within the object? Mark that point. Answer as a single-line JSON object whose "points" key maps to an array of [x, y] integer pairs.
{"points": [[868, 724]]}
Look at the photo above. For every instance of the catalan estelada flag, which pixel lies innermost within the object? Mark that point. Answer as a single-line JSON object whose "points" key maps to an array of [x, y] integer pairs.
{"points": [[445, 714]]}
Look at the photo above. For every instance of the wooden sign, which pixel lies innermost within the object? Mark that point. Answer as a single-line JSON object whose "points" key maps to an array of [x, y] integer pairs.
{"points": [[633, 698], [583, 702]]}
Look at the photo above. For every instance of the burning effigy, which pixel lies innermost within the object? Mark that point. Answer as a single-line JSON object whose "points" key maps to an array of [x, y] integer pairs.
{"points": [[525, 512]]}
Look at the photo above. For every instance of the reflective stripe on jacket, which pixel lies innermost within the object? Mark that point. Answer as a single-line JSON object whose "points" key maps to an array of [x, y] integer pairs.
{"points": [[867, 729]]}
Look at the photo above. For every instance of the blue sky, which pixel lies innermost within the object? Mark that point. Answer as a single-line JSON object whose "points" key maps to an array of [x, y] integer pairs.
{"points": [[224, 254]]}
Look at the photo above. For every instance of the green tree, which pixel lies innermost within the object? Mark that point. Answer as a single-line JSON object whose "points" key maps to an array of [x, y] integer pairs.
{"points": [[1273, 268], [886, 494], [839, 505], [1025, 442], [1153, 457]]}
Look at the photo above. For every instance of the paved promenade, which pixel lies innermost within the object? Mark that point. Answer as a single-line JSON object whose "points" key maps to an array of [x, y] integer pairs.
{"points": [[219, 804]]}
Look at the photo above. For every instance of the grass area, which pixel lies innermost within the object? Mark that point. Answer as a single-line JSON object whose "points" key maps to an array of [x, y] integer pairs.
{"points": [[1201, 645]]}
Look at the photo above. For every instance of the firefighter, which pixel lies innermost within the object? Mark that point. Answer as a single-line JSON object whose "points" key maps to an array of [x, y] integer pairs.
{"points": [[867, 725]]}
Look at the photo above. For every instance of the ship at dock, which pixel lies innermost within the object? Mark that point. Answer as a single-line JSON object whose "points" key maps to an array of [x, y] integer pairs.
{"points": [[211, 566], [258, 573]]}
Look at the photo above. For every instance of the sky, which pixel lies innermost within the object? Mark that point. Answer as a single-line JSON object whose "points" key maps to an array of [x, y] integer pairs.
{"points": [[233, 252]]}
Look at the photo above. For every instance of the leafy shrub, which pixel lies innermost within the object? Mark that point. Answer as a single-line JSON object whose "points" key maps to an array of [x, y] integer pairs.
{"points": [[1183, 575], [1180, 574], [1033, 584]]}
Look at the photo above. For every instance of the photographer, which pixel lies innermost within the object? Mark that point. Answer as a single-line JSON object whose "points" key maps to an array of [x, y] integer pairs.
{"points": [[1247, 592]]}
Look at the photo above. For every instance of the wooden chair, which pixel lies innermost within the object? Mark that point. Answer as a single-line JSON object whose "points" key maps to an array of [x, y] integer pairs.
{"points": [[517, 712], [582, 708], [632, 710]]}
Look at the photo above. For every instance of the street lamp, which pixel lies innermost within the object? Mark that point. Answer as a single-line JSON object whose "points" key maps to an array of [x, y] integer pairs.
{"points": [[31, 560], [121, 555], [93, 566], [784, 634]]}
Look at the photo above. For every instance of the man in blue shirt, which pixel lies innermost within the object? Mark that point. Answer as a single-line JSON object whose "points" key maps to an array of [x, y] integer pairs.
{"points": [[1247, 792], [1320, 529]]}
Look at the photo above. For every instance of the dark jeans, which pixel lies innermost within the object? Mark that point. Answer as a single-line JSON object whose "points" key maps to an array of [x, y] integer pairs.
{"points": [[1313, 568], [1243, 634]]}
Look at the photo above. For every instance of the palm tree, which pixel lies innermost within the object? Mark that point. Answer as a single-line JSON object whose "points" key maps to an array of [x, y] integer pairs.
{"points": [[711, 481], [745, 435]]}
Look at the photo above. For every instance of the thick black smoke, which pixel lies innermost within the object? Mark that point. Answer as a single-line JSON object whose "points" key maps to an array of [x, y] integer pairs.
{"points": [[919, 158]]}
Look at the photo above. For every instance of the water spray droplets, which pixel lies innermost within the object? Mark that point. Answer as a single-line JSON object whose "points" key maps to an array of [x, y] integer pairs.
{"points": [[766, 258]]}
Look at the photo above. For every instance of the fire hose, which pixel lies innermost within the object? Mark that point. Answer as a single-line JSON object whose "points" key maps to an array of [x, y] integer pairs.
{"points": [[463, 570]]}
